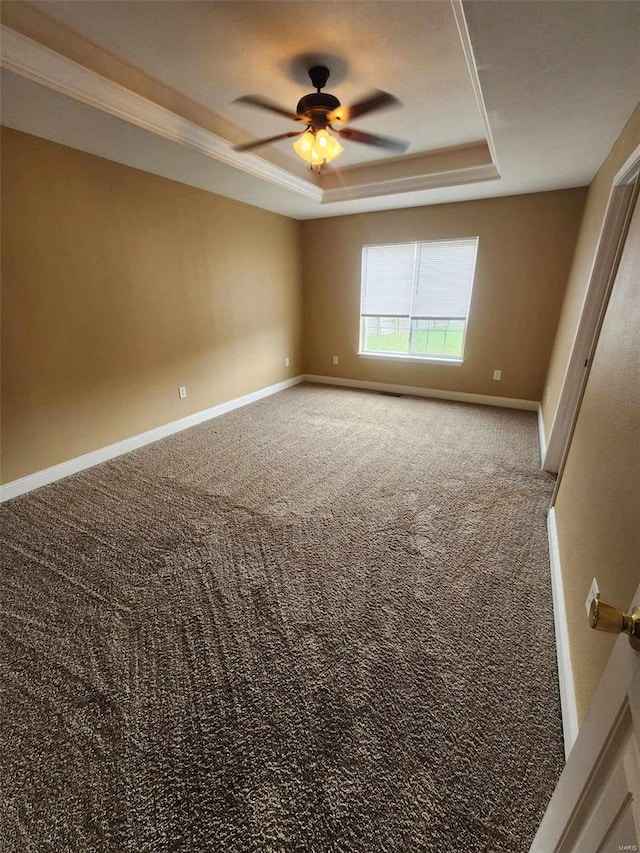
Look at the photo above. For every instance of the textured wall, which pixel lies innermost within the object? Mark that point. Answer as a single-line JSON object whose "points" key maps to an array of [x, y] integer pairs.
{"points": [[598, 502], [118, 286], [524, 256], [594, 211]]}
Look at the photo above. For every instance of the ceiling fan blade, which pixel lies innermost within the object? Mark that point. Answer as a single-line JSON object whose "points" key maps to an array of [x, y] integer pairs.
{"points": [[354, 135], [266, 104], [256, 142], [376, 100]]}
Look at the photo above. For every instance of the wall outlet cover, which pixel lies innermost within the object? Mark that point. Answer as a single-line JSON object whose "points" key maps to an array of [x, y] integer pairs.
{"points": [[182, 391], [497, 374], [593, 593], [286, 361], [336, 360]]}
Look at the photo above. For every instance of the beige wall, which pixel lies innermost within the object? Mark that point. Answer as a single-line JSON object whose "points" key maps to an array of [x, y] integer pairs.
{"points": [[598, 502], [117, 287], [524, 256], [586, 246]]}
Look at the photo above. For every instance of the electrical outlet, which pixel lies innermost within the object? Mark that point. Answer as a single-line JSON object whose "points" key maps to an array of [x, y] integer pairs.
{"points": [[497, 374], [548, 394], [594, 592], [336, 360], [286, 361], [182, 391]]}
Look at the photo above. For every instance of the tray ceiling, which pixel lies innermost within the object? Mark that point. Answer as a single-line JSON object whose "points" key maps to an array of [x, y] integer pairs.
{"points": [[214, 52], [493, 94]]}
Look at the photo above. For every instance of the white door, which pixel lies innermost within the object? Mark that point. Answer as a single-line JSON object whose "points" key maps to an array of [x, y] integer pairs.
{"points": [[595, 807]]}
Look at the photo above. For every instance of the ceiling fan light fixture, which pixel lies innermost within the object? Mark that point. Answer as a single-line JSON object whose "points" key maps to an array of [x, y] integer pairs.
{"points": [[336, 149], [317, 148], [304, 146], [317, 110]]}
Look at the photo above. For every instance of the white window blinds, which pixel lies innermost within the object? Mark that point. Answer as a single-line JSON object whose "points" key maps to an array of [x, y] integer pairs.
{"points": [[387, 280], [418, 280]]}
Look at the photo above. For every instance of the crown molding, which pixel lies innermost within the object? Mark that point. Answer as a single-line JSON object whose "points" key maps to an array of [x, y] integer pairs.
{"points": [[444, 167], [449, 159], [30, 59], [467, 49], [414, 183]]}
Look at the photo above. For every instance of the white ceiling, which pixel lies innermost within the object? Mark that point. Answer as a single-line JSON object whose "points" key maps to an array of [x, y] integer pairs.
{"points": [[558, 81]]}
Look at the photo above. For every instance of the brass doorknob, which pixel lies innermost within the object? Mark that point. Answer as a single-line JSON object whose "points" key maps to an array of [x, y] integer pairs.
{"points": [[604, 617]]}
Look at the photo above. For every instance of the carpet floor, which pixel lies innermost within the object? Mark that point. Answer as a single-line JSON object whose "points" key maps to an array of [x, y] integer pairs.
{"points": [[319, 623]]}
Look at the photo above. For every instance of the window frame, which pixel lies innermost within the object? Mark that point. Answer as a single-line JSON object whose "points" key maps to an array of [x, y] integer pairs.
{"points": [[455, 361]]}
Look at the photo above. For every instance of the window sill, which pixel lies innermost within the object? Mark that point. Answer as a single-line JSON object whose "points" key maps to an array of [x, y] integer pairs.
{"points": [[451, 361]]}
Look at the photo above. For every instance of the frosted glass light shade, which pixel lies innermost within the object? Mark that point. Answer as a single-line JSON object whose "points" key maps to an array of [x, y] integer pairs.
{"points": [[304, 146], [317, 148]]}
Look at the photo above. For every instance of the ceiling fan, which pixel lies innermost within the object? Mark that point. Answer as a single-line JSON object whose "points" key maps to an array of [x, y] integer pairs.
{"points": [[318, 111]]}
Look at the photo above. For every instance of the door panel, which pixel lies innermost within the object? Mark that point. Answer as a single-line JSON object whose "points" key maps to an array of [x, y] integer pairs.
{"points": [[624, 835], [595, 807]]}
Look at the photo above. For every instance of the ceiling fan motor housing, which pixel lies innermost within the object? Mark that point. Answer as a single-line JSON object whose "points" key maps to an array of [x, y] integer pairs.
{"points": [[316, 106]]}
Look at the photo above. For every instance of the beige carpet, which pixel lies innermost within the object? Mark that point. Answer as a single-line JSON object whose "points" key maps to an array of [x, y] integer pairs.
{"points": [[319, 623]]}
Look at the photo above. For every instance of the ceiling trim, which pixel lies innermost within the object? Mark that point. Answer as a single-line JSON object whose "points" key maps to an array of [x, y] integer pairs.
{"points": [[414, 183], [459, 165], [30, 59], [467, 49]]}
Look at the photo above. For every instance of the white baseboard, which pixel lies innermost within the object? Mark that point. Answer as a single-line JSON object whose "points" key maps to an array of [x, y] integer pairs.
{"points": [[415, 391], [95, 457], [541, 435], [565, 670]]}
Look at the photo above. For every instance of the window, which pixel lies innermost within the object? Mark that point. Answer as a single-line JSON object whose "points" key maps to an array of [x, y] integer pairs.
{"points": [[415, 298]]}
